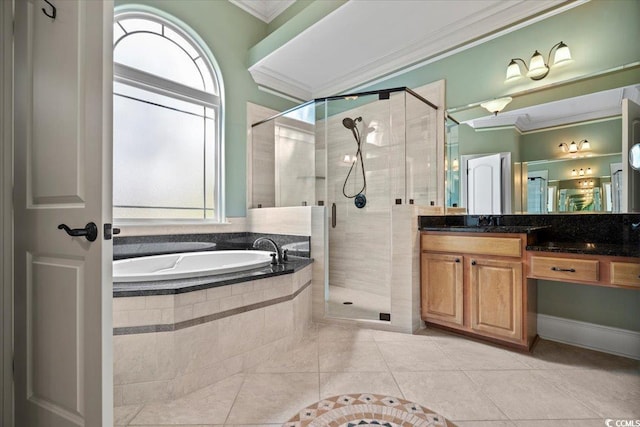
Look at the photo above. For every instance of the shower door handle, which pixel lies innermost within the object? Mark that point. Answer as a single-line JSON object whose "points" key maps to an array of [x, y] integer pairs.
{"points": [[333, 215]]}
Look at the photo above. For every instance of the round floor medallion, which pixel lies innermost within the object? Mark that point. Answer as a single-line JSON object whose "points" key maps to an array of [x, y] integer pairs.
{"points": [[362, 410]]}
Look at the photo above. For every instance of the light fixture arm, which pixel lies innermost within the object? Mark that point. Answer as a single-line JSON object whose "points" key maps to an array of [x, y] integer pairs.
{"points": [[576, 146], [521, 60], [555, 46], [537, 68]]}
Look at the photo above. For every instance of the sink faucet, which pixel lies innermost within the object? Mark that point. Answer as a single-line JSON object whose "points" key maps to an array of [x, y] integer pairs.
{"points": [[274, 244], [485, 220]]}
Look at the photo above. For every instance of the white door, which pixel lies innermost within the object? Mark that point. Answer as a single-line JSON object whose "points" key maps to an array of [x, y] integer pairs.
{"points": [[485, 185], [63, 291], [617, 194], [630, 136]]}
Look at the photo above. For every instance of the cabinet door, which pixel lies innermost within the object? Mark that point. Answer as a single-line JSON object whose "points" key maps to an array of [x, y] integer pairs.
{"points": [[495, 291], [442, 288]]}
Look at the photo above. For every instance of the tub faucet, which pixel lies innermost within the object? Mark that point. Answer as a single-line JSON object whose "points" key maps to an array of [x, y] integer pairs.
{"points": [[274, 244]]}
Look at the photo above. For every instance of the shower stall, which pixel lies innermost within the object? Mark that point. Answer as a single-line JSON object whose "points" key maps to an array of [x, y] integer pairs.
{"points": [[363, 156]]}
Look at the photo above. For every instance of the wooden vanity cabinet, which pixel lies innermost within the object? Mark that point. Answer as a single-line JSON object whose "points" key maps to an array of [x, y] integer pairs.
{"points": [[495, 297], [600, 270], [442, 301], [477, 285]]}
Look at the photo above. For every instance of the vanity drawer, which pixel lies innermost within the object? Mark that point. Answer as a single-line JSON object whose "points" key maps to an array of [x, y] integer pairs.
{"points": [[587, 270], [625, 273], [499, 246]]}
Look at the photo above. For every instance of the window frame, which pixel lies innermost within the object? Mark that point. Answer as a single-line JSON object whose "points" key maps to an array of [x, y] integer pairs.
{"points": [[159, 85]]}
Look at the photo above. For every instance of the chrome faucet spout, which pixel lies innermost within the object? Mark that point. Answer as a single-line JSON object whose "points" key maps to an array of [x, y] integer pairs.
{"points": [[274, 244]]}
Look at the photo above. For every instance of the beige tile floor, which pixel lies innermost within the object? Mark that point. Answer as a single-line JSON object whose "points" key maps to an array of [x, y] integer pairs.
{"points": [[470, 383]]}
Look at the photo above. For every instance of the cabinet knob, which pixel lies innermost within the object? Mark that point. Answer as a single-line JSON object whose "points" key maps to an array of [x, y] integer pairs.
{"points": [[457, 259], [473, 262]]}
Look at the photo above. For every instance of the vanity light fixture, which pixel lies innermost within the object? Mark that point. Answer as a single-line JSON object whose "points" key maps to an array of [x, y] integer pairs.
{"points": [[574, 172], [574, 148], [496, 105], [581, 172], [538, 68]]}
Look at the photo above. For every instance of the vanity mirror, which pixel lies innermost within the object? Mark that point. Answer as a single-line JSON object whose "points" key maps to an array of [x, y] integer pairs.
{"points": [[559, 157]]}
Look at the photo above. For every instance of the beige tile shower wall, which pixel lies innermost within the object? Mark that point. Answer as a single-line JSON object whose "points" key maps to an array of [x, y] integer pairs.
{"points": [[295, 162], [435, 93], [260, 157], [319, 248], [232, 225], [405, 291], [360, 253], [290, 220], [422, 172], [166, 365]]}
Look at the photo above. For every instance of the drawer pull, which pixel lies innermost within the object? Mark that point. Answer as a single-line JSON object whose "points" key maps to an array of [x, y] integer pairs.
{"points": [[569, 270]]}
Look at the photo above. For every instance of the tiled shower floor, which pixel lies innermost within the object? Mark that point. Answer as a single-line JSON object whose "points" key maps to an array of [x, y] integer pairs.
{"points": [[365, 305], [470, 383]]}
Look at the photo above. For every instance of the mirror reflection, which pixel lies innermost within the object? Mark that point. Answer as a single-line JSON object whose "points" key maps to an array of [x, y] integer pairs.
{"points": [[560, 157]]}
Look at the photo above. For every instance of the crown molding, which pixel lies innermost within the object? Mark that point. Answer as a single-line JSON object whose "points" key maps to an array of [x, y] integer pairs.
{"points": [[265, 10]]}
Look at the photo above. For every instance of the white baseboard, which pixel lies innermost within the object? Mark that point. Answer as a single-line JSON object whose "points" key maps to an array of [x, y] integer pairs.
{"points": [[617, 341]]}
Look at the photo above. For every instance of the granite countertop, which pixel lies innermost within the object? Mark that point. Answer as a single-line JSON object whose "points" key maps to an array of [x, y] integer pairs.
{"points": [[609, 249], [519, 229], [178, 286]]}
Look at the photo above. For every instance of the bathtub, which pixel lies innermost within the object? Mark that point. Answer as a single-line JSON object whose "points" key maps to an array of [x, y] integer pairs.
{"points": [[185, 265]]}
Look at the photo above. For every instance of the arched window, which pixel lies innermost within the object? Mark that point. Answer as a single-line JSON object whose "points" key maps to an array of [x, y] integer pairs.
{"points": [[167, 109]]}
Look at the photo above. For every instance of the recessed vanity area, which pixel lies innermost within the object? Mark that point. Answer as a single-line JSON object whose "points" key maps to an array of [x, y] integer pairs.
{"points": [[481, 280], [553, 176]]}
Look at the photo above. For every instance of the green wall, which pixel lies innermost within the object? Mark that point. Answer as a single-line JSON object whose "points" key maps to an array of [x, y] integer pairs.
{"points": [[489, 141], [599, 34], [614, 307], [229, 33], [560, 171], [603, 136]]}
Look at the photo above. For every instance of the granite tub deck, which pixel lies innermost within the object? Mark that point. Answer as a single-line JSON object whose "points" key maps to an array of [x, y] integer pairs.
{"points": [[176, 336]]}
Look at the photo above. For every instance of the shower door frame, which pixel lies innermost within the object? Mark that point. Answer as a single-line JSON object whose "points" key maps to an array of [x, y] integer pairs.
{"points": [[382, 95]]}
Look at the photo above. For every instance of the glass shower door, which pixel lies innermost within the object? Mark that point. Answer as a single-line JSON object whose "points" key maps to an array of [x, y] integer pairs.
{"points": [[359, 174]]}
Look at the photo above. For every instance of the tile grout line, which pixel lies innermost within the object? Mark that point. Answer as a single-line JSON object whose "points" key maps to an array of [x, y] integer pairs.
{"points": [[481, 390], [226, 419], [137, 413], [395, 381]]}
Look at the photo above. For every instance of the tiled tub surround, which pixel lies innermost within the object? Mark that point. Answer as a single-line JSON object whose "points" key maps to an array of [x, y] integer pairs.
{"points": [[172, 337], [166, 346]]}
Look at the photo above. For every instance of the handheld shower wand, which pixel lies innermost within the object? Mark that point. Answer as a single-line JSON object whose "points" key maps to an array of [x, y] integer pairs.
{"points": [[360, 199]]}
